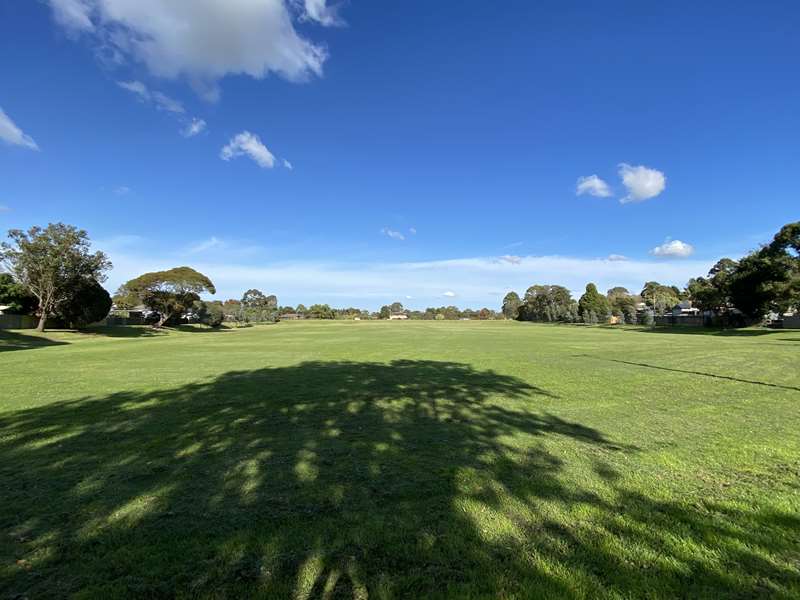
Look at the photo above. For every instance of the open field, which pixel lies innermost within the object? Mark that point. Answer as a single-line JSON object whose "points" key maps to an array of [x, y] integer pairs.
{"points": [[386, 459]]}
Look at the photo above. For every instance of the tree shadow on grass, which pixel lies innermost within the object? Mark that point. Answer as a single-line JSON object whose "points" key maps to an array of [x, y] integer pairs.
{"points": [[707, 331], [13, 340], [343, 479]]}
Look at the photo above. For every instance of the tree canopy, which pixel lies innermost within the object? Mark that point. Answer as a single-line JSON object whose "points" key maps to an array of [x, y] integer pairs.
{"points": [[170, 292], [511, 304], [593, 306], [13, 295], [88, 303], [51, 263]]}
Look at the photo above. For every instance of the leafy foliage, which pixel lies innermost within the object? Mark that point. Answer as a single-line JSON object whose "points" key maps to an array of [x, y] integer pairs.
{"points": [[548, 303], [14, 295], [511, 304], [88, 303], [169, 293], [51, 263], [593, 306]]}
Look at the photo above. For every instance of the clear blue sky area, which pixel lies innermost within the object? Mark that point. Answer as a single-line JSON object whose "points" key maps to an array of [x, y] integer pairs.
{"points": [[427, 152]]}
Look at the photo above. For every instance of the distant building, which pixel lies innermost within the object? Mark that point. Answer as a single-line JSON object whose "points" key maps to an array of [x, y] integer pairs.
{"points": [[291, 317], [684, 308], [3, 308], [398, 317]]}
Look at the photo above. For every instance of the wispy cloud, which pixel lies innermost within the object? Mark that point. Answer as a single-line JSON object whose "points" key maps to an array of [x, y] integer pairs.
{"points": [[510, 259], [11, 134], [412, 230], [287, 164], [212, 243], [592, 185], [395, 235], [616, 257], [4, 208], [248, 144], [319, 11], [122, 190], [194, 127], [449, 294], [158, 99], [673, 249], [641, 182]]}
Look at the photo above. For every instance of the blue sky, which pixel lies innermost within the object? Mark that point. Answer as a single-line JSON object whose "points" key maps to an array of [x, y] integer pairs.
{"points": [[440, 152]]}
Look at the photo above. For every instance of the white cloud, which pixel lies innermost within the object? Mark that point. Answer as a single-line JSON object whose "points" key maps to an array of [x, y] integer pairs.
{"points": [[287, 164], [248, 144], [202, 40], [317, 10], [13, 135], [372, 284], [395, 235], [449, 294], [212, 243], [673, 248], [196, 127], [592, 185], [412, 230], [122, 190], [158, 99], [616, 257], [641, 182], [510, 259]]}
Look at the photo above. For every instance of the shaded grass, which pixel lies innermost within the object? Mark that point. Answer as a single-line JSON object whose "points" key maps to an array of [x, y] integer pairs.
{"points": [[400, 460]]}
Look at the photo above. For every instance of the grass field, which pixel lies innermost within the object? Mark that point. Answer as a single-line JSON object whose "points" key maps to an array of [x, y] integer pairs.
{"points": [[387, 459]]}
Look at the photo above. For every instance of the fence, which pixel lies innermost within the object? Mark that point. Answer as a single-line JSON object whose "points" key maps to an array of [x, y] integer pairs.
{"points": [[698, 321], [18, 322]]}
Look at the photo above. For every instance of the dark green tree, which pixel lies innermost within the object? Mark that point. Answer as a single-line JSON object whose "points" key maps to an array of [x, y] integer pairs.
{"points": [[88, 303], [169, 293], [511, 304], [13, 295], [51, 262], [594, 305]]}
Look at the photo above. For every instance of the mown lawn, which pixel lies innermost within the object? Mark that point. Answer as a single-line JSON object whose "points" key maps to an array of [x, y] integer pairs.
{"points": [[415, 460]]}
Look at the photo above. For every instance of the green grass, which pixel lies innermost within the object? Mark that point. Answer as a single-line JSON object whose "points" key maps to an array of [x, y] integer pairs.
{"points": [[416, 460]]}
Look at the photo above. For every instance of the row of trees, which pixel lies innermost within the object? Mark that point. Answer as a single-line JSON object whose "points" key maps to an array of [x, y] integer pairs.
{"points": [[766, 280], [53, 272]]}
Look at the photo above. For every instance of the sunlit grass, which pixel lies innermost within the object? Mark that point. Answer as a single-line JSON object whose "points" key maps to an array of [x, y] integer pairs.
{"points": [[313, 460]]}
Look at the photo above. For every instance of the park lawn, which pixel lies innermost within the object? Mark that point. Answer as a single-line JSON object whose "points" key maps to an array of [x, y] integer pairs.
{"points": [[400, 459]]}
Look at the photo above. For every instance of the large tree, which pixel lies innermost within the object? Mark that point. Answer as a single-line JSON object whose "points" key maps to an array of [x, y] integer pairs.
{"points": [[511, 304], [169, 293], [88, 303], [769, 278], [713, 292], [51, 263], [660, 297], [547, 303], [593, 306], [260, 307]]}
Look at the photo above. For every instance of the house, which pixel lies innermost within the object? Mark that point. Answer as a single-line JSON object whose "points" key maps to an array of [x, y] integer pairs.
{"points": [[684, 309], [291, 317], [3, 308], [398, 317]]}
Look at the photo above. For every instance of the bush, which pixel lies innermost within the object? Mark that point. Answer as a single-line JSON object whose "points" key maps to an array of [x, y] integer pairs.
{"points": [[647, 318], [209, 313], [89, 302]]}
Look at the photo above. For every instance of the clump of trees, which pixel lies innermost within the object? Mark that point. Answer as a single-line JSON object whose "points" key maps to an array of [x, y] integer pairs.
{"points": [[548, 304], [169, 293], [55, 265]]}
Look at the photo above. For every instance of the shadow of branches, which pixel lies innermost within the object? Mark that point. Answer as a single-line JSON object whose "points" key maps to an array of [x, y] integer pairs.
{"points": [[345, 479]]}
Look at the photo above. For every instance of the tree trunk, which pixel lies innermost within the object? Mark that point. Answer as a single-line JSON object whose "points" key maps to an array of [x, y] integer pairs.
{"points": [[161, 320], [42, 319]]}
